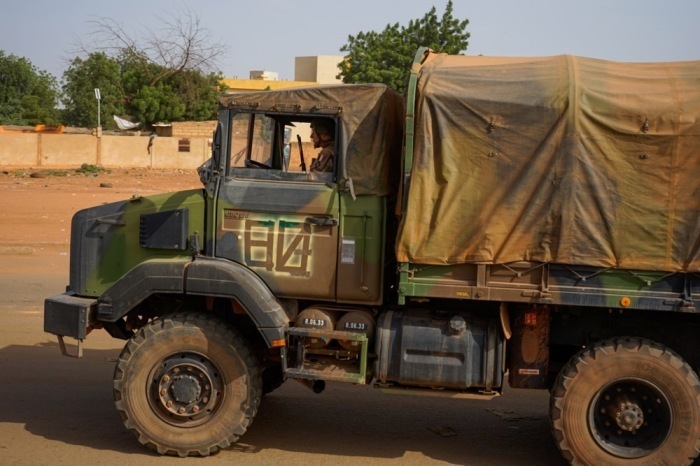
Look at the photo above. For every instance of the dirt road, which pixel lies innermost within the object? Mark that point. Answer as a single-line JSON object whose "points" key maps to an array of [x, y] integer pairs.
{"points": [[57, 410]]}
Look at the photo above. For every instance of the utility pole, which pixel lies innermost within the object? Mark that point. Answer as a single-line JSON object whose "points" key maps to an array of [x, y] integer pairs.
{"points": [[99, 98]]}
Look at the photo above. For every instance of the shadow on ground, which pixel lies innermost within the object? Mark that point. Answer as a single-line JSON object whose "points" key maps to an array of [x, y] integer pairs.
{"points": [[70, 401]]}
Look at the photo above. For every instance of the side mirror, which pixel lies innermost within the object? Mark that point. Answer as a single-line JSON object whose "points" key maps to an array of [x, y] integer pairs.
{"points": [[216, 147], [210, 168]]}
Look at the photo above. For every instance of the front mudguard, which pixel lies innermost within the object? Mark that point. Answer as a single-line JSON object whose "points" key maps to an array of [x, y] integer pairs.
{"points": [[202, 276], [226, 279]]}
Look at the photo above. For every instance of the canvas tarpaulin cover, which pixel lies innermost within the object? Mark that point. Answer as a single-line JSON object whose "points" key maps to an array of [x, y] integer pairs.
{"points": [[556, 159], [370, 117]]}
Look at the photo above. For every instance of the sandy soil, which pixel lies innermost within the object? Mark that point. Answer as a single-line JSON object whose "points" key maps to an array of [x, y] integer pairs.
{"points": [[36, 206]]}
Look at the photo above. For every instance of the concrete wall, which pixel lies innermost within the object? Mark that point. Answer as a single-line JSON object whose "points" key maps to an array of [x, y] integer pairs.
{"points": [[73, 150], [61, 150], [19, 149]]}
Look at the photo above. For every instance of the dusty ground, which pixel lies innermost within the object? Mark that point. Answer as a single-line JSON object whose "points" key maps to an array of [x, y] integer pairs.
{"points": [[57, 410], [36, 206]]}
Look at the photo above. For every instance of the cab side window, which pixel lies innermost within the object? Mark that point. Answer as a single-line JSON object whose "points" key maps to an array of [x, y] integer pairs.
{"points": [[239, 139], [275, 147]]}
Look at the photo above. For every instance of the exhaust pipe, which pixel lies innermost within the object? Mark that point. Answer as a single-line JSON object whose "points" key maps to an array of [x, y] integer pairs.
{"points": [[316, 386]]}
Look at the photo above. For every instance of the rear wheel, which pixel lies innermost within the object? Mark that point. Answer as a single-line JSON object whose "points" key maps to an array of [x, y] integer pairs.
{"points": [[627, 400], [187, 385]]}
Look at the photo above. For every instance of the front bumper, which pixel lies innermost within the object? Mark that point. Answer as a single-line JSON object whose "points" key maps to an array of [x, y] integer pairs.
{"points": [[67, 315]]}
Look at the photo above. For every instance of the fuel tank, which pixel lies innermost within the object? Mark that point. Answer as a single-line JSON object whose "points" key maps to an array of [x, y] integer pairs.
{"points": [[455, 350]]}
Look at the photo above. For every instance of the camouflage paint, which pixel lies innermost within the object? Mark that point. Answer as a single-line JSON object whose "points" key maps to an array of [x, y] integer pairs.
{"points": [[105, 240], [269, 226], [305, 240], [539, 283], [361, 249]]}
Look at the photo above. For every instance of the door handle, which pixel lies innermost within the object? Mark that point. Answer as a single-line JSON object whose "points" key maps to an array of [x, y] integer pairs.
{"points": [[322, 221]]}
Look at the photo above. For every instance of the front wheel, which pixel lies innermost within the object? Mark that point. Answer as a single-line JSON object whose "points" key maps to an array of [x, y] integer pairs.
{"points": [[627, 401], [187, 384]]}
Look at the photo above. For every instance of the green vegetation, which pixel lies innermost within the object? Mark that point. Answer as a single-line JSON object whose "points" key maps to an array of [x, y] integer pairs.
{"points": [[79, 82], [85, 169], [91, 170], [28, 96], [166, 76], [139, 91], [385, 57]]}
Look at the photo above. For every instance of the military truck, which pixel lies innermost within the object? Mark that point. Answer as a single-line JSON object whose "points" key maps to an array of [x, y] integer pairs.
{"points": [[530, 221]]}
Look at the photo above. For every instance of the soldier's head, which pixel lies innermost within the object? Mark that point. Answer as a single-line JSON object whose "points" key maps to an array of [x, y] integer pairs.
{"points": [[321, 131]]}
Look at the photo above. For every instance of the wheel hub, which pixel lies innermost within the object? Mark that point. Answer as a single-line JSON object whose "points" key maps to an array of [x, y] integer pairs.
{"points": [[630, 417], [185, 389]]}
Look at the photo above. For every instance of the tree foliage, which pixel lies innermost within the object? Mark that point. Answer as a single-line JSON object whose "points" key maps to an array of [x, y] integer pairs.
{"points": [[28, 96], [386, 56], [167, 76], [79, 81]]}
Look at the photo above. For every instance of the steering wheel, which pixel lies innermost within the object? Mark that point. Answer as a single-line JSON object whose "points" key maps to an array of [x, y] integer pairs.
{"points": [[254, 164]]}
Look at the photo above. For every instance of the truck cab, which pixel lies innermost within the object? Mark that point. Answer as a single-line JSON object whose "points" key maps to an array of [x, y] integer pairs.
{"points": [[288, 224]]}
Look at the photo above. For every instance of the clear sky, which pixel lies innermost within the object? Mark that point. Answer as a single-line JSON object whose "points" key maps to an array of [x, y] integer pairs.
{"points": [[268, 34]]}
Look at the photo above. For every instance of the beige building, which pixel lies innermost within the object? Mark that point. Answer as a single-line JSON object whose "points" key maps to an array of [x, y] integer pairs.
{"points": [[320, 69]]}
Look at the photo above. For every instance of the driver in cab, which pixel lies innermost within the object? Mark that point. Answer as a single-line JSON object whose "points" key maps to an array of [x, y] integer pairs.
{"points": [[322, 137]]}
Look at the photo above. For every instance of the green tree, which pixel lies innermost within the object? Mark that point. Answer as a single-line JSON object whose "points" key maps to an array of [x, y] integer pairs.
{"points": [[138, 90], [386, 56], [199, 93], [156, 92], [165, 77], [28, 96], [79, 83]]}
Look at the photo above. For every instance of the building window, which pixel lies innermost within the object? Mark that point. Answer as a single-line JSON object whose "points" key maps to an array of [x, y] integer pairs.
{"points": [[183, 145]]}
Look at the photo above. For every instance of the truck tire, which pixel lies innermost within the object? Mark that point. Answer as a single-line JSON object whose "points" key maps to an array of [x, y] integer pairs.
{"points": [[187, 384], [626, 401]]}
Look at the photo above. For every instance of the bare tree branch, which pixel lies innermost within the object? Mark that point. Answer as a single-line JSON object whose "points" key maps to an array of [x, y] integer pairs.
{"points": [[181, 43]]}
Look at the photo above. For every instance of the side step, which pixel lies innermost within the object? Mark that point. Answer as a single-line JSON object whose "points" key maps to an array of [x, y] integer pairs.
{"points": [[333, 365]]}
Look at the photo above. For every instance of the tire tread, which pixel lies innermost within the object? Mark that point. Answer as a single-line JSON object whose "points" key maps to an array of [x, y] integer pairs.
{"points": [[205, 322], [589, 355]]}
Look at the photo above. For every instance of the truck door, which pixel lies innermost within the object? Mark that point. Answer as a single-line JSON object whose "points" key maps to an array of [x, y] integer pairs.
{"points": [[281, 224]]}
